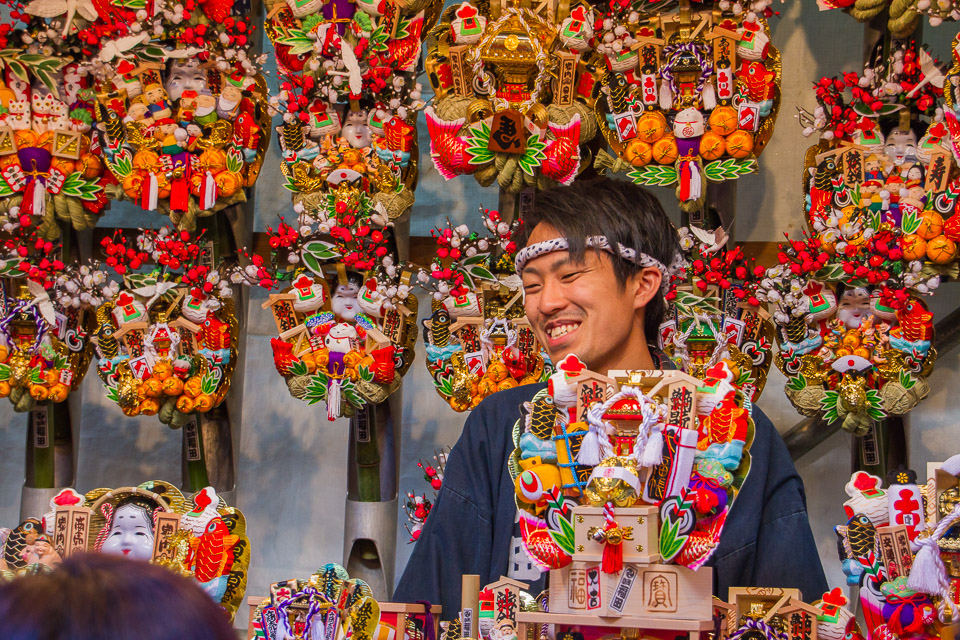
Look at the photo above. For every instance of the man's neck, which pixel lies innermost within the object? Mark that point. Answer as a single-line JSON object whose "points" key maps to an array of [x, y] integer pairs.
{"points": [[630, 358]]}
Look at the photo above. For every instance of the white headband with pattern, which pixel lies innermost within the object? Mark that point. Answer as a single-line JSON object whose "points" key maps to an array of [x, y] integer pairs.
{"points": [[600, 243]]}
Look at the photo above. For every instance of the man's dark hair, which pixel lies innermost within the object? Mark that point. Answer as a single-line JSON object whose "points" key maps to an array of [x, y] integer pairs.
{"points": [[622, 212], [94, 596]]}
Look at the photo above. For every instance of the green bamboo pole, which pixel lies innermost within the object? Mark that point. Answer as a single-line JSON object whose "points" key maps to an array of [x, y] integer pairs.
{"points": [[40, 443], [367, 453], [194, 457]]}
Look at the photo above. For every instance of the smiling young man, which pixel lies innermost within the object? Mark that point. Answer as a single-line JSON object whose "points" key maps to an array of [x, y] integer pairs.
{"points": [[594, 264]]}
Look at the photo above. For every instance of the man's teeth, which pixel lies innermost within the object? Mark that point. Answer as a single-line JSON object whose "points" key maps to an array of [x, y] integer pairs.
{"points": [[562, 330]]}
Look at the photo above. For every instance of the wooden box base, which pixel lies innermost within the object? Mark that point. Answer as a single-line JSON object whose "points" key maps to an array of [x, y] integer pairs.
{"points": [[654, 590], [642, 548]]}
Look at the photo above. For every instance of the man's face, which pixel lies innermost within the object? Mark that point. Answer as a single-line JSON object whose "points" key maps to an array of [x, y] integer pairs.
{"points": [[580, 308]]}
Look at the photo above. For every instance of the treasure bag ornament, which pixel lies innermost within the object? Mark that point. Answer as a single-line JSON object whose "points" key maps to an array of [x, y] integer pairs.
{"points": [[682, 110]]}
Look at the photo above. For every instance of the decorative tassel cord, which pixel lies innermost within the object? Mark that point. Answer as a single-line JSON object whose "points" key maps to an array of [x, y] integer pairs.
{"points": [[612, 551], [107, 510], [928, 573]]}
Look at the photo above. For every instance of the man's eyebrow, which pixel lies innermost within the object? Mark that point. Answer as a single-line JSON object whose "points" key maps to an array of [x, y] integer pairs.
{"points": [[556, 264]]}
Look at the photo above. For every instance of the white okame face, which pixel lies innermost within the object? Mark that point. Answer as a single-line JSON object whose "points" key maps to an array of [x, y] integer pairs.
{"points": [[131, 533], [344, 302], [184, 75]]}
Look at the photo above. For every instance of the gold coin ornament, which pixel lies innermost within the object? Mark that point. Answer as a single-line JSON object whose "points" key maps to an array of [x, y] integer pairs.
{"points": [[349, 97], [343, 305], [880, 188], [198, 536], [701, 86], [167, 340], [614, 480], [515, 84], [635, 440], [478, 339]]}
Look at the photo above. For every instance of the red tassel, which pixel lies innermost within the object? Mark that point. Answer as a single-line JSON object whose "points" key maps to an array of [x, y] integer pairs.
{"points": [[179, 195], [612, 555]]}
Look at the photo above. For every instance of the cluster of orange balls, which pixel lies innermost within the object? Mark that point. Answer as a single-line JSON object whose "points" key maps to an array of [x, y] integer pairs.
{"points": [[352, 360], [164, 386], [655, 143], [146, 162], [88, 164], [51, 389], [934, 240], [496, 378]]}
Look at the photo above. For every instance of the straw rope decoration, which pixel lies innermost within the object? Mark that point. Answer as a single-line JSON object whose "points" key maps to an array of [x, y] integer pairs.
{"points": [[315, 603], [697, 50]]}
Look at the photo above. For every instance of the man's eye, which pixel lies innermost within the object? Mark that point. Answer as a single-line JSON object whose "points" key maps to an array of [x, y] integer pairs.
{"points": [[569, 277], [530, 288]]}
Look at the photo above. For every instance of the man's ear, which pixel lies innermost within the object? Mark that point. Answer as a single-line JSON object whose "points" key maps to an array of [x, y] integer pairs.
{"points": [[647, 285]]}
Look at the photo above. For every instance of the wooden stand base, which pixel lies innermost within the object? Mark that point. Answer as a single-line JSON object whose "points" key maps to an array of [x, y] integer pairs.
{"points": [[655, 591]]}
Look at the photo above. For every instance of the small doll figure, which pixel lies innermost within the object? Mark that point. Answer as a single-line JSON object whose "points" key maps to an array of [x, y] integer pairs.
{"points": [[205, 112], [873, 175], [156, 100], [42, 552], [230, 98], [188, 106]]}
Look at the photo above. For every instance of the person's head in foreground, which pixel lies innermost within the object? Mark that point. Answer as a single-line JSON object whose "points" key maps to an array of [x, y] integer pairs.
{"points": [[95, 596], [595, 256]]}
